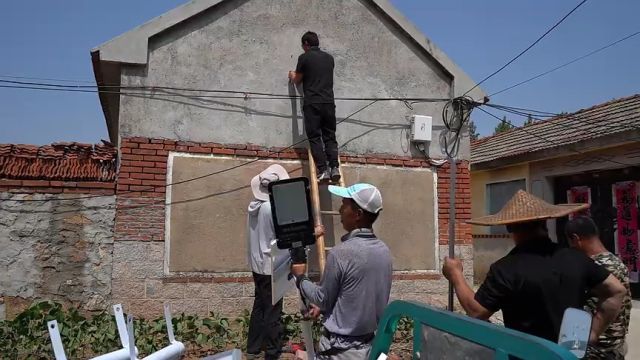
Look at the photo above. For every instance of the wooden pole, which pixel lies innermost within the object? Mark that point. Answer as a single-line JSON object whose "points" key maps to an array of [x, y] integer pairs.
{"points": [[317, 215]]}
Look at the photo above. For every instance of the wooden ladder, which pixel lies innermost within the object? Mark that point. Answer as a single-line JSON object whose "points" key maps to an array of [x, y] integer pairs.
{"points": [[317, 211]]}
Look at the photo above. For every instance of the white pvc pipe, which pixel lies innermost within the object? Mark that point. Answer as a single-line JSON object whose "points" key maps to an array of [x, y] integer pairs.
{"points": [[122, 354], [169, 320], [56, 340], [171, 352], [122, 325], [132, 342], [175, 348]]}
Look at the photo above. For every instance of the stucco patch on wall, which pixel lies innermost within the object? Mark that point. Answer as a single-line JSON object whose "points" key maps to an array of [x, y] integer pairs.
{"points": [[57, 250]]}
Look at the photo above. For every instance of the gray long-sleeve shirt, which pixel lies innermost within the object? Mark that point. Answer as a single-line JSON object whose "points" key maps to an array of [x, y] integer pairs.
{"points": [[355, 286]]}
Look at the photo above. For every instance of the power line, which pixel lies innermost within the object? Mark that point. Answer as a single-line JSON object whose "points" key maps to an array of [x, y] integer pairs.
{"points": [[530, 113], [46, 79], [566, 64], [577, 127], [144, 90], [524, 129], [523, 110], [141, 94], [529, 47], [455, 114], [269, 152]]}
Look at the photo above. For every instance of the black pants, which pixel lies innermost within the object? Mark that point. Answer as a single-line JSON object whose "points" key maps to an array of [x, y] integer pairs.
{"points": [[265, 325], [320, 125]]}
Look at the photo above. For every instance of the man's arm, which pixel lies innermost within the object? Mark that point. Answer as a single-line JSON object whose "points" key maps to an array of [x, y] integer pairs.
{"points": [[452, 270], [295, 77], [324, 294], [610, 294]]}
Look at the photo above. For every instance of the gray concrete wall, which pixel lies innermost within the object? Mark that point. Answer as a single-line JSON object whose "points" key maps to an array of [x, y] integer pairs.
{"points": [[56, 251], [250, 45]]}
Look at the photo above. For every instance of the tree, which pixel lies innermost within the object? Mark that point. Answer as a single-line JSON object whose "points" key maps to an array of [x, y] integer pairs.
{"points": [[529, 120], [503, 126], [473, 131]]}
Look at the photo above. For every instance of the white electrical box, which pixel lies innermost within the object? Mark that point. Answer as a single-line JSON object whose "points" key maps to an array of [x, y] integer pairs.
{"points": [[421, 128]]}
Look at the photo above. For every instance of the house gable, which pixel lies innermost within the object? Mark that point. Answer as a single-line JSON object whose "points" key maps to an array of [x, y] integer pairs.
{"points": [[247, 44]]}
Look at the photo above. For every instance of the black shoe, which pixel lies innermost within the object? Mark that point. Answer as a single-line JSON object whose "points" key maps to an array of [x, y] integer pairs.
{"points": [[324, 175], [335, 174]]}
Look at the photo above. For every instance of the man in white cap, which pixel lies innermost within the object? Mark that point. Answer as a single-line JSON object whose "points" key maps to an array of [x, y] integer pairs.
{"points": [[355, 286], [265, 325], [538, 280]]}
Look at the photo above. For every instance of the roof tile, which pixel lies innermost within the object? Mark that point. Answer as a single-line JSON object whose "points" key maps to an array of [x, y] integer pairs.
{"points": [[66, 161], [597, 121]]}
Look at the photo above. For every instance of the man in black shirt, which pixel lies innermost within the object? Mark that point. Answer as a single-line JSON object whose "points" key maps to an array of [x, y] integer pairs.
{"points": [[538, 280], [315, 71]]}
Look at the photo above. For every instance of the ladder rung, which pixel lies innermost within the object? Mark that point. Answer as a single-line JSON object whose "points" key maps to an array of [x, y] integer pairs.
{"points": [[329, 212]]}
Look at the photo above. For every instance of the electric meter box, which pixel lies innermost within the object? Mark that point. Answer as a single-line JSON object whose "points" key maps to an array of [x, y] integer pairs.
{"points": [[421, 128]]}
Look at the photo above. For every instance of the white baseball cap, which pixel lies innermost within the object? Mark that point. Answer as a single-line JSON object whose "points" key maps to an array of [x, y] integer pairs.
{"points": [[367, 196]]}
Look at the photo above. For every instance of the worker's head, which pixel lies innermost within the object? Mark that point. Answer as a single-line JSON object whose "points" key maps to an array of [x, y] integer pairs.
{"points": [[260, 183], [582, 233], [309, 39], [523, 232], [361, 205]]}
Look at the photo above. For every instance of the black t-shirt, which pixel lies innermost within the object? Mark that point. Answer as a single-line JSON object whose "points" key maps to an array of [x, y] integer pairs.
{"points": [[316, 67], [535, 283]]}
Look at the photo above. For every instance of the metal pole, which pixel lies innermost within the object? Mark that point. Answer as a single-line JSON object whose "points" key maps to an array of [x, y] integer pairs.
{"points": [[452, 219]]}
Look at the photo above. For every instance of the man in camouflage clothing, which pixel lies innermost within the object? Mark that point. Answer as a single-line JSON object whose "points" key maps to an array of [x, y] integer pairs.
{"points": [[582, 234]]}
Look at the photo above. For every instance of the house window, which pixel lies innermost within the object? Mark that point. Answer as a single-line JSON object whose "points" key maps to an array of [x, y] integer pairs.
{"points": [[497, 196]]}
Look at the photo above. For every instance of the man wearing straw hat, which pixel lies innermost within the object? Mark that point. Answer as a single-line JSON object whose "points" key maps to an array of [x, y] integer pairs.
{"points": [[538, 280], [265, 324]]}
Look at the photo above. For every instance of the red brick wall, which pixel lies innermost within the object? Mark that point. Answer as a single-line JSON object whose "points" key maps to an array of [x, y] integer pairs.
{"points": [[57, 187], [141, 183], [463, 203], [140, 219]]}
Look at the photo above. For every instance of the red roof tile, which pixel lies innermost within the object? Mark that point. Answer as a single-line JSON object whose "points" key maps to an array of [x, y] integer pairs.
{"points": [[59, 161]]}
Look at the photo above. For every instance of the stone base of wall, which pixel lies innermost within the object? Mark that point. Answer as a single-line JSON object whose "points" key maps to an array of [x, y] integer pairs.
{"points": [[140, 285], [54, 249]]}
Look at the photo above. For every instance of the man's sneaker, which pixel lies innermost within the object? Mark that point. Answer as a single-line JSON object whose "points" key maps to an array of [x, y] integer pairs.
{"points": [[335, 174], [324, 175]]}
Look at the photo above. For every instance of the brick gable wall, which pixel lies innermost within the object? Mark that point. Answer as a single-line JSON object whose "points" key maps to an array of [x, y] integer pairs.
{"points": [[139, 281]]}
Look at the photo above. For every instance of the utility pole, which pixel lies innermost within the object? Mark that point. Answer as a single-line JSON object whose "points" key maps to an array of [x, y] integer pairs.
{"points": [[456, 123], [452, 218]]}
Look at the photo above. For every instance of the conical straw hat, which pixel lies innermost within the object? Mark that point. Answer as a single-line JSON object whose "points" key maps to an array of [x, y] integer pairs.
{"points": [[525, 207]]}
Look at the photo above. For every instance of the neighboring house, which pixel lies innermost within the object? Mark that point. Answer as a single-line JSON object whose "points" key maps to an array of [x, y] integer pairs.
{"points": [[589, 156], [54, 249], [192, 252]]}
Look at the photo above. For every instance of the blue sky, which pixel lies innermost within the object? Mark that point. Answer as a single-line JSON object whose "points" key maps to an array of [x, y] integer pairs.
{"points": [[44, 39]]}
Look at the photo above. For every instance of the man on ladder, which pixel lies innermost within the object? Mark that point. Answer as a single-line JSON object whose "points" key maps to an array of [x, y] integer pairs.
{"points": [[315, 71]]}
